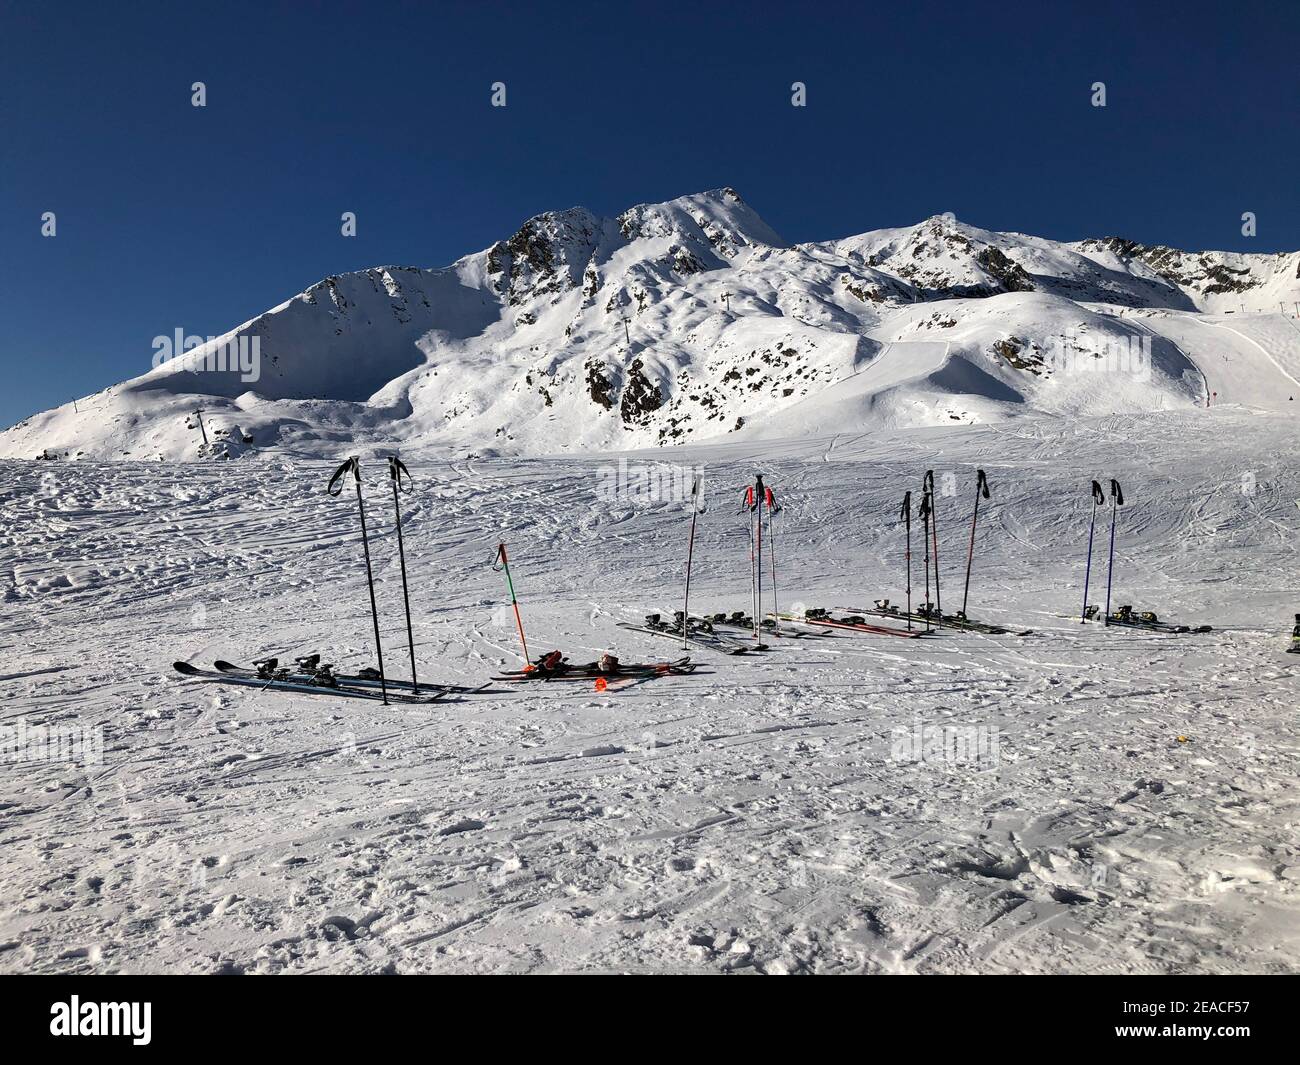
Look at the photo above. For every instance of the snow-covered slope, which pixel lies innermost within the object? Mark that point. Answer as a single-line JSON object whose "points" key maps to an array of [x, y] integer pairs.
{"points": [[1128, 804], [688, 321]]}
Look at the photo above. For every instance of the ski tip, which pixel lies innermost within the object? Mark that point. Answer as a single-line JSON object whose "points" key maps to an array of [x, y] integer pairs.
{"points": [[220, 664], [185, 667]]}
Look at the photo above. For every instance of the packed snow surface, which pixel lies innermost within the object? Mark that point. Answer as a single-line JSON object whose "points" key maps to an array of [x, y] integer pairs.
{"points": [[1130, 804]]}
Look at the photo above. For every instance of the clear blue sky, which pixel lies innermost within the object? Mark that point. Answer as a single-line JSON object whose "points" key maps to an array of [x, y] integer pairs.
{"points": [[171, 216]]}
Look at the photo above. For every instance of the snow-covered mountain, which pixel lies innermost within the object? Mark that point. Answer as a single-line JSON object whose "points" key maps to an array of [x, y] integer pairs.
{"points": [[691, 320]]}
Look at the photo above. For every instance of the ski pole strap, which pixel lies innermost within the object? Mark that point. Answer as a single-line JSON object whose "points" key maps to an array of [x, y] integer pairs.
{"points": [[982, 484], [770, 499], [925, 505], [927, 485], [1115, 492], [906, 512], [747, 498], [499, 561], [335, 487], [400, 474], [697, 493], [1098, 496]]}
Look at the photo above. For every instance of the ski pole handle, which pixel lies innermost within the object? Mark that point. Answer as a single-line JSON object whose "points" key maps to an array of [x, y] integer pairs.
{"points": [[400, 475], [981, 484], [1098, 496], [906, 512], [335, 487], [1115, 493]]}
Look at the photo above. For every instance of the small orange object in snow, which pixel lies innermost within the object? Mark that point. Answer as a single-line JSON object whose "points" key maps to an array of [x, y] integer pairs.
{"points": [[601, 684]]}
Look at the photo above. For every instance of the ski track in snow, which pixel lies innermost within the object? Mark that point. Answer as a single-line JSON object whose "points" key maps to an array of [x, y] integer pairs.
{"points": [[748, 817]]}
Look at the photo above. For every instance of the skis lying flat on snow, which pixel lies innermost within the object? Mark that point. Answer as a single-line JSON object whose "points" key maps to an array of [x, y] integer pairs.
{"points": [[1126, 618], [305, 673], [739, 620], [852, 622], [700, 637], [301, 687], [883, 609], [592, 671]]}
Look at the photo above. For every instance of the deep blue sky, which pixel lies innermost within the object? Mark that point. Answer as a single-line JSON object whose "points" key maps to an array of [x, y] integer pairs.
{"points": [[171, 216]]}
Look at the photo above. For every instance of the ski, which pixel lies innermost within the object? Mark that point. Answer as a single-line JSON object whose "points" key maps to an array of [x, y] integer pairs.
{"points": [[563, 670], [701, 635], [821, 618], [309, 670], [738, 619], [301, 687], [883, 609], [1126, 618]]}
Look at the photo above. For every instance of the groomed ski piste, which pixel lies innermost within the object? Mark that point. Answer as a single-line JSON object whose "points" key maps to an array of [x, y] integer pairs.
{"points": [[1117, 801]]}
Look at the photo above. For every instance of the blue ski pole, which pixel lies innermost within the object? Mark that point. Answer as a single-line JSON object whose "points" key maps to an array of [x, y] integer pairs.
{"points": [[1116, 501]]}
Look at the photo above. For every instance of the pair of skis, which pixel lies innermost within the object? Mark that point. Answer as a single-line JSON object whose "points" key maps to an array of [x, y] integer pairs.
{"points": [[738, 619], [307, 685], [694, 634], [1126, 617], [884, 609], [930, 535], [818, 617], [565, 671]]}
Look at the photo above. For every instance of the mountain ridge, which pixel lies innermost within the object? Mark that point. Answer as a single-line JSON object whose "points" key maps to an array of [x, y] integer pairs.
{"points": [[670, 322]]}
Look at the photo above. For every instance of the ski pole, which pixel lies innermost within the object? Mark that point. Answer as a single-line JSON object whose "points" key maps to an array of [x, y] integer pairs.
{"points": [[934, 532], [906, 515], [690, 554], [1116, 501], [503, 564], [1098, 498], [748, 505], [981, 486], [758, 554], [925, 533], [772, 508], [401, 478], [338, 479]]}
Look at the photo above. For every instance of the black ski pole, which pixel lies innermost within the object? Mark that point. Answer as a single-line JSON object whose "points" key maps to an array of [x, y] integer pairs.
{"points": [[772, 509], [758, 554], [981, 486], [747, 505], [696, 485], [338, 479], [1116, 501], [401, 478], [906, 515], [934, 532], [925, 532], [1098, 498]]}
